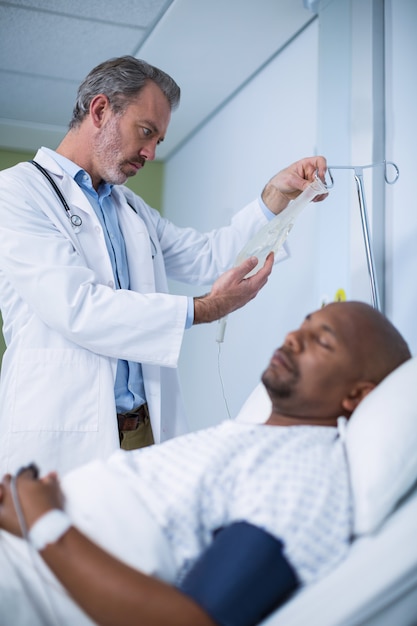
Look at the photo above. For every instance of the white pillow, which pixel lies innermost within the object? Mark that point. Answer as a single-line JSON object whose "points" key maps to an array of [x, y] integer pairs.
{"points": [[381, 443], [257, 407]]}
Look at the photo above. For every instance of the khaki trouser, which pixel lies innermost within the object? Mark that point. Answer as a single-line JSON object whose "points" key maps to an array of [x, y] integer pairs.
{"points": [[139, 438]]}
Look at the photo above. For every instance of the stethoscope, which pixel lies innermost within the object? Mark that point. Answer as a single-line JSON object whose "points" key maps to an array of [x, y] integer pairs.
{"points": [[76, 221]]}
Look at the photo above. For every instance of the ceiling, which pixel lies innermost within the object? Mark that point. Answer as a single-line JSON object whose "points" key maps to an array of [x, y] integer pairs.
{"points": [[210, 48]]}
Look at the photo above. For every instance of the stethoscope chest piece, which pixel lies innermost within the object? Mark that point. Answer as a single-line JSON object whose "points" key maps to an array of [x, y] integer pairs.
{"points": [[76, 222]]}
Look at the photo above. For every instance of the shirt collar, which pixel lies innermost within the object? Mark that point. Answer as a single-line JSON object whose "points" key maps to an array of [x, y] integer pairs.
{"points": [[81, 177]]}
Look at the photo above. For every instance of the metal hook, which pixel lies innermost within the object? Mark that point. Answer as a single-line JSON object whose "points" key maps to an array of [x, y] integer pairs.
{"points": [[331, 179], [397, 172], [358, 170], [358, 173]]}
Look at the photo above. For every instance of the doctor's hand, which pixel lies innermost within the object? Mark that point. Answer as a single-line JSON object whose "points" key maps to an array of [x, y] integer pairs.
{"points": [[291, 181], [232, 290], [36, 497]]}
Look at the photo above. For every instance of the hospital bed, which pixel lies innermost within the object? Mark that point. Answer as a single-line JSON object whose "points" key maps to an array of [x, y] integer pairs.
{"points": [[376, 585]]}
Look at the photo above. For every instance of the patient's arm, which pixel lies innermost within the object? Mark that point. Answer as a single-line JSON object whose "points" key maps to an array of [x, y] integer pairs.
{"points": [[237, 581], [108, 590], [113, 593]]}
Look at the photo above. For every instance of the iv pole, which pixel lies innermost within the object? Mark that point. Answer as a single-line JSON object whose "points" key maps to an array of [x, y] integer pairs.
{"points": [[358, 174]]}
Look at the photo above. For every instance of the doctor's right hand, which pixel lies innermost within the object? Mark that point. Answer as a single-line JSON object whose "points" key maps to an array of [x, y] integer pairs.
{"points": [[232, 290]]}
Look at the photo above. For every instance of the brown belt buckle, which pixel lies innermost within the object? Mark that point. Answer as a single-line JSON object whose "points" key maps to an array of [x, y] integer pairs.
{"points": [[132, 419]]}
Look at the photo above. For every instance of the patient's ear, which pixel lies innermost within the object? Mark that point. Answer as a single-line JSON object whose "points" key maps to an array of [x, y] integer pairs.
{"points": [[356, 395]]}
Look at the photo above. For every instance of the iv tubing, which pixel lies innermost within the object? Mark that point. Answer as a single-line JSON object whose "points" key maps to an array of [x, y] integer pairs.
{"points": [[47, 613]]}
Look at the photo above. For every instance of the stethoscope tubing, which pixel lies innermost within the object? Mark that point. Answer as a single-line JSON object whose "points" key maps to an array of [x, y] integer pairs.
{"points": [[75, 220]]}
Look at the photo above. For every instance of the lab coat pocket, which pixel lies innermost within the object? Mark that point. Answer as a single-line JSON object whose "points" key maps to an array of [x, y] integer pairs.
{"points": [[64, 382]]}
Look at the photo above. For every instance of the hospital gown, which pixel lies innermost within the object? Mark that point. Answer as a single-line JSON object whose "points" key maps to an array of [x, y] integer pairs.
{"points": [[290, 481], [157, 509]]}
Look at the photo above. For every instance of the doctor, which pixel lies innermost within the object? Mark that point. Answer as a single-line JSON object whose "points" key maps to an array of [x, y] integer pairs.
{"points": [[92, 335]]}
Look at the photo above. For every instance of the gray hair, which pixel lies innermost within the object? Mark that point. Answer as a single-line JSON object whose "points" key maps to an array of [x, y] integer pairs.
{"points": [[121, 79]]}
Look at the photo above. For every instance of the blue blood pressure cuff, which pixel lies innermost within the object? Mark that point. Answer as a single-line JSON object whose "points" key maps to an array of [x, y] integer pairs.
{"points": [[241, 577]]}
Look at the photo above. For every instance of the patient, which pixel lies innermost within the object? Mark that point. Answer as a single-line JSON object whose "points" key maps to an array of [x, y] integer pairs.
{"points": [[247, 512]]}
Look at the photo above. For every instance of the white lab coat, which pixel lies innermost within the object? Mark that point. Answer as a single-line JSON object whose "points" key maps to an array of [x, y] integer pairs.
{"points": [[65, 324]]}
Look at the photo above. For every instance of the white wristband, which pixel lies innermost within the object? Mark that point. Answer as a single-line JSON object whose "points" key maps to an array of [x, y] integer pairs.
{"points": [[49, 528]]}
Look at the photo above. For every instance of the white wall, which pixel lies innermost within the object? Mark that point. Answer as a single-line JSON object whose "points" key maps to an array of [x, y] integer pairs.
{"points": [[325, 93], [401, 90], [361, 120], [271, 123]]}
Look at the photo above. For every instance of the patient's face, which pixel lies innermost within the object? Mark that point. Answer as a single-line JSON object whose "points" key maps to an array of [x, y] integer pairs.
{"points": [[310, 374]]}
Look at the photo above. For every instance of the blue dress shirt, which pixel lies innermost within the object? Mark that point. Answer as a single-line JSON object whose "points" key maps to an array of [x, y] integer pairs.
{"points": [[129, 388]]}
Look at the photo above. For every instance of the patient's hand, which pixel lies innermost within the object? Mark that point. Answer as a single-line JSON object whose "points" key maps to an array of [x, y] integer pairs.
{"points": [[36, 497]]}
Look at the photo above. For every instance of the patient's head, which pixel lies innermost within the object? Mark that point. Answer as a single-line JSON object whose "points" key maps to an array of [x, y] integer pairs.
{"points": [[326, 367]]}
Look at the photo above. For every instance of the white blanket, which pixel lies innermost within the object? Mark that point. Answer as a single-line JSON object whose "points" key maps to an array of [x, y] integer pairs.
{"points": [[130, 533]]}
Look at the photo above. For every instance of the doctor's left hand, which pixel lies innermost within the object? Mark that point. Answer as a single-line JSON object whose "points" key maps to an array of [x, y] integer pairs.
{"points": [[36, 497], [291, 181]]}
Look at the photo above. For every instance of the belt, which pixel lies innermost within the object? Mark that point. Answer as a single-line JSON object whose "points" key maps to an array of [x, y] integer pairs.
{"points": [[133, 419]]}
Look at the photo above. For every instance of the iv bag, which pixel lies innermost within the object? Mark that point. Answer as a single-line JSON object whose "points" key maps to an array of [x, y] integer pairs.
{"points": [[272, 236]]}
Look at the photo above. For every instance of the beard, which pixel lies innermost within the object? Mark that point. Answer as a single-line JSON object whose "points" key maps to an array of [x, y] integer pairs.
{"points": [[109, 154], [280, 389], [276, 386]]}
